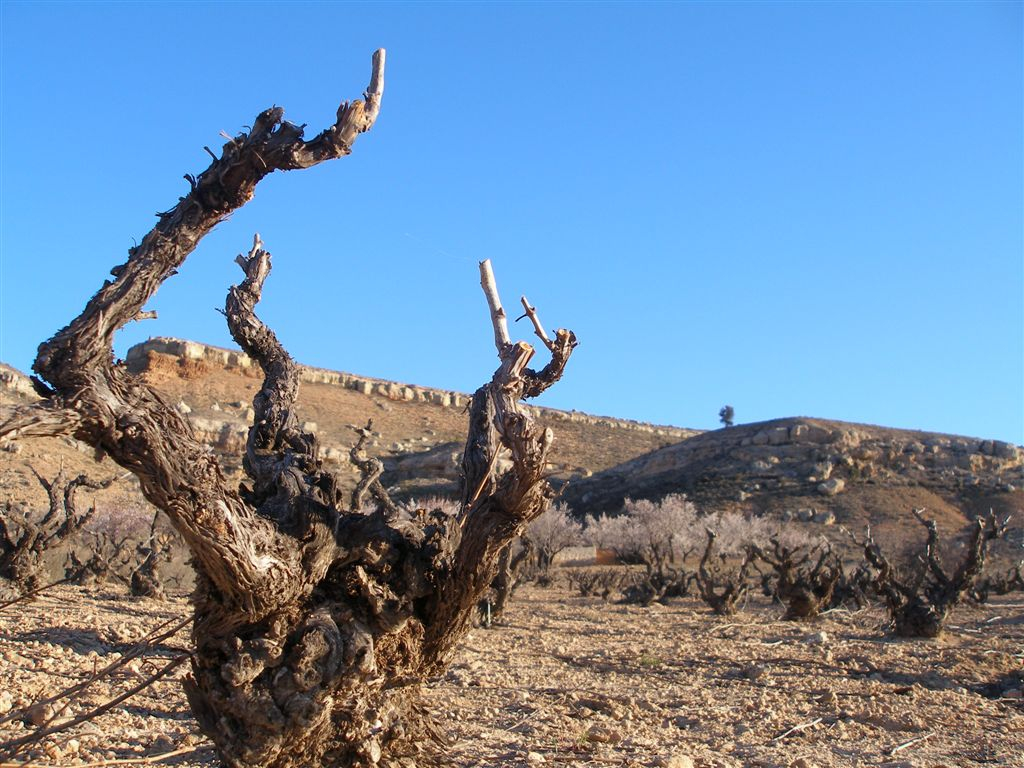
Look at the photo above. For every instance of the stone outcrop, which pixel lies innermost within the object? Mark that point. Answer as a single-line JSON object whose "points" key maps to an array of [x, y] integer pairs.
{"points": [[414, 464], [421, 428], [137, 360], [438, 462], [16, 383], [810, 470], [803, 457]]}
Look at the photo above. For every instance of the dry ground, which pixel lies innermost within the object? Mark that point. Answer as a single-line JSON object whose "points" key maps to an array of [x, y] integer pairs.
{"points": [[566, 680]]}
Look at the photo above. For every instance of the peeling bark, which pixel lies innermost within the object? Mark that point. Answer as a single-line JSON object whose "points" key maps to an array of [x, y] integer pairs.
{"points": [[316, 616]]}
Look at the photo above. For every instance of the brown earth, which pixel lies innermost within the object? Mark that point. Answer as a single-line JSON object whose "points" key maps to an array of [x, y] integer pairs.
{"points": [[574, 681], [567, 680], [403, 426]]}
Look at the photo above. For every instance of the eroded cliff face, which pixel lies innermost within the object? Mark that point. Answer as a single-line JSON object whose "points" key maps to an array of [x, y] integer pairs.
{"points": [[139, 359]]}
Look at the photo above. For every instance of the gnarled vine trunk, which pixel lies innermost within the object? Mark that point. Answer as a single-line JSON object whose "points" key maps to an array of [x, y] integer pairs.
{"points": [[719, 587], [315, 619], [24, 541], [806, 589], [919, 605], [145, 579]]}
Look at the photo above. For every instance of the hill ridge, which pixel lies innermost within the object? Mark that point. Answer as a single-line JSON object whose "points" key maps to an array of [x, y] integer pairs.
{"points": [[820, 469], [804, 468], [137, 359]]}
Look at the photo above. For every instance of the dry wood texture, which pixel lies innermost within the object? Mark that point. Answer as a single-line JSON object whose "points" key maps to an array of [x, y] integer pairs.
{"points": [[315, 619]]}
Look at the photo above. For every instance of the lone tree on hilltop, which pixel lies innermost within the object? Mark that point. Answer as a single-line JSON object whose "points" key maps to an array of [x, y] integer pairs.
{"points": [[317, 615], [726, 415]]}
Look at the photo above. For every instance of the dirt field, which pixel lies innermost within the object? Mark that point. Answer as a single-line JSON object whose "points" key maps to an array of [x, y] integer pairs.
{"points": [[566, 680]]}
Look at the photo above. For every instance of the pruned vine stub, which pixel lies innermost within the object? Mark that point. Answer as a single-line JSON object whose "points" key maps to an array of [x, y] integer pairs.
{"points": [[317, 613]]}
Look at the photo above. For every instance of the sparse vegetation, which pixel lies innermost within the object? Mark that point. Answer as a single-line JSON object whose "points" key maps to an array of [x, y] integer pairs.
{"points": [[553, 532], [508, 576], [658, 535], [721, 587], [806, 577], [1011, 580], [146, 579], [600, 582]]}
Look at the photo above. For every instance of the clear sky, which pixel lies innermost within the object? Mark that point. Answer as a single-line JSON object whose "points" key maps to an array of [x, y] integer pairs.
{"points": [[795, 208]]}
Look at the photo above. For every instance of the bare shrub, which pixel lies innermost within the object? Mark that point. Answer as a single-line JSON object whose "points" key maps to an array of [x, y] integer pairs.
{"points": [[657, 534], [805, 576], [855, 585], [26, 534], [107, 546], [1011, 580], [441, 505], [104, 557], [735, 532], [722, 576], [589, 582], [553, 532], [146, 579], [507, 578], [720, 585], [661, 535], [121, 546], [920, 602]]}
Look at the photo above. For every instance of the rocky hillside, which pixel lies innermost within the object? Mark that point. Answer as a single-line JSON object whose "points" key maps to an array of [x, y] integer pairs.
{"points": [[798, 468], [418, 432], [821, 471]]}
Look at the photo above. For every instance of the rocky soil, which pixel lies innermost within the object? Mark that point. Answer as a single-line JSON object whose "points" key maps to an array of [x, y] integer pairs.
{"points": [[565, 680]]}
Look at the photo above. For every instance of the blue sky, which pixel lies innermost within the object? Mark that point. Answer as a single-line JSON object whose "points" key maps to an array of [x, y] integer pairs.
{"points": [[797, 209]]}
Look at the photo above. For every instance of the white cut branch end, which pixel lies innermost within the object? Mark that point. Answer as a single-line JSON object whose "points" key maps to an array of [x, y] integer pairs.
{"points": [[498, 318]]}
